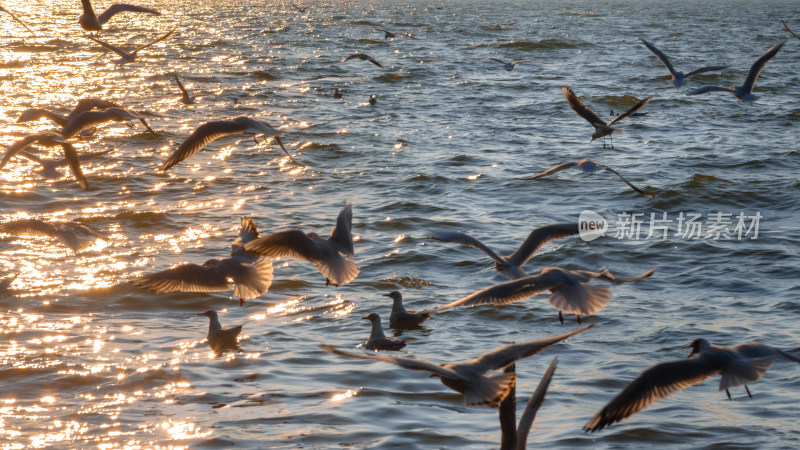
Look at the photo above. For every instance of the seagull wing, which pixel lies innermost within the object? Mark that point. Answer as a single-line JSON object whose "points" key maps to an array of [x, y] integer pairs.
{"points": [[184, 278], [552, 170], [661, 57], [540, 236], [497, 60], [465, 240], [753, 350], [180, 86], [18, 21], [580, 109], [88, 104], [200, 137], [704, 69], [652, 385], [17, 147], [38, 113], [247, 232], [789, 29], [74, 163], [627, 113], [704, 89], [627, 182], [341, 233], [290, 243], [33, 227], [122, 7], [407, 363], [108, 46], [154, 42], [758, 66], [509, 291], [533, 405], [528, 60]]}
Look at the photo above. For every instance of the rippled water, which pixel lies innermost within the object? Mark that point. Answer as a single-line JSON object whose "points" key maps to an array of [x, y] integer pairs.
{"points": [[90, 360]]}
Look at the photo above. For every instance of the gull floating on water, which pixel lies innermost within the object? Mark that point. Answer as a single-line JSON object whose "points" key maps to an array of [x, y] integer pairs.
{"points": [[393, 34], [126, 57], [601, 128], [337, 93], [91, 22], [570, 291], [789, 30], [251, 276], [49, 139], [510, 266], [377, 340], [509, 66], [587, 165], [678, 77], [745, 91], [469, 377], [186, 99], [737, 365], [75, 236], [220, 339], [400, 317], [211, 131], [373, 99], [363, 57], [18, 21], [325, 254], [88, 119]]}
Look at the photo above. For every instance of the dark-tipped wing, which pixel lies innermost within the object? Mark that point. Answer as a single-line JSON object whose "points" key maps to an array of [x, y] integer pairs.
{"points": [[697, 70], [661, 56], [758, 66], [503, 356], [407, 363], [123, 7], [510, 291], [652, 385], [184, 278], [552, 170], [201, 137], [342, 234], [753, 350], [580, 109], [290, 243], [628, 182], [533, 405], [540, 236], [465, 240], [627, 113], [74, 163]]}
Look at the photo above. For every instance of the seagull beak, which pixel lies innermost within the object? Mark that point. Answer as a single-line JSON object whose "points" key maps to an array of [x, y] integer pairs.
{"points": [[386, 295], [692, 353], [365, 317]]}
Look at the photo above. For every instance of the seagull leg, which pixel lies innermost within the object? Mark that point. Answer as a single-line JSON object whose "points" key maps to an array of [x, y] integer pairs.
{"points": [[255, 139], [241, 301], [327, 281], [561, 318], [729, 394], [129, 123], [579, 319], [612, 141], [748, 391]]}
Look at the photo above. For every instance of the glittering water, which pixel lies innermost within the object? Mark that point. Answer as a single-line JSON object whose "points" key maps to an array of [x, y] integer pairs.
{"points": [[90, 360]]}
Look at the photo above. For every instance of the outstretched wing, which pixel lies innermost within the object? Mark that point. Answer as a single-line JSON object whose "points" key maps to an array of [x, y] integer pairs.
{"points": [[466, 240], [123, 7], [510, 291], [627, 113], [704, 89], [200, 137], [155, 41], [341, 233], [552, 170], [74, 163], [580, 109], [407, 363], [697, 70], [539, 237], [503, 356], [628, 182], [108, 46], [661, 56], [533, 405], [758, 66], [184, 278]]}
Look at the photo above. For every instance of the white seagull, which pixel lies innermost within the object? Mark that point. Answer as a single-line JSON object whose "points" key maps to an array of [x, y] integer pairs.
{"points": [[210, 131], [509, 66], [327, 255], [91, 22], [126, 57], [678, 77], [737, 365], [745, 91], [49, 139], [587, 165], [510, 266], [75, 236], [601, 128], [363, 57], [251, 275], [469, 378]]}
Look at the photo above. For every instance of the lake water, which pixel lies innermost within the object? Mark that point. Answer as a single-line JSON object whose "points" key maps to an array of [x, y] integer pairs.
{"points": [[90, 360]]}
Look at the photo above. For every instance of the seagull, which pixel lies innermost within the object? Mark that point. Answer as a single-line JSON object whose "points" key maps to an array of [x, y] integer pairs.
{"points": [[587, 165], [219, 338], [601, 128], [337, 93], [364, 57], [509, 66], [49, 166], [5, 283], [533, 405], [126, 57], [400, 318], [510, 266], [302, 10], [84, 104], [393, 34], [186, 99], [784, 26], [570, 291], [377, 340], [469, 377], [678, 77], [373, 99], [251, 276], [18, 21], [745, 91], [91, 22], [211, 131], [75, 236], [737, 365], [325, 254], [49, 139], [88, 119]]}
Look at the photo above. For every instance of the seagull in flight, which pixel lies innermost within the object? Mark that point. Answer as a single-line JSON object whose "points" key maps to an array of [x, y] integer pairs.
{"points": [[601, 128], [393, 34], [745, 91], [91, 22], [18, 21], [678, 77], [75, 236], [469, 377], [737, 365], [789, 30], [186, 99], [49, 139], [302, 10], [364, 57], [89, 119], [127, 57], [211, 131], [510, 266], [49, 166], [587, 165], [509, 66]]}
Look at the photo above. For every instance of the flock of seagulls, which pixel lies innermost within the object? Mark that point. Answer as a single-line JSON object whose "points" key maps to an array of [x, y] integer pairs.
{"points": [[250, 264]]}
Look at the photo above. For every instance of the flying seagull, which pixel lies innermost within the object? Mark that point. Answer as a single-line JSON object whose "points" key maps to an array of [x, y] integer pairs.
{"points": [[327, 255], [737, 365], [186, 99], [745, 91], [510, 266], [89, 119], [49, 139], [211, 131], [393, 34], [126, 57], [678, 77], [601, 128], [363, 57], [570, 291], [301, 9], [587, 165], [91, 22], [251, 275], [75, 236], [220, 339], [509, 66], [469, 377], [789, 30], [49, 166]]}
